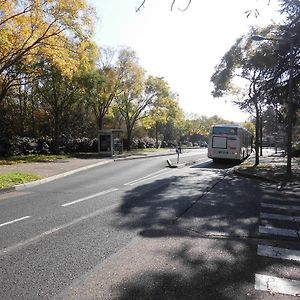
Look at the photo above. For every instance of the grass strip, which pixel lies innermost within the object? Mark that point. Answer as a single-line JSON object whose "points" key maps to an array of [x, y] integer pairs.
{"points": [[14, 178]]}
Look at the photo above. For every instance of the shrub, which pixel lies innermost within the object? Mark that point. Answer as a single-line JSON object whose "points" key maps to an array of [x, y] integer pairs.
{"points": [[84, 144], [44, 145], [22, 146]]}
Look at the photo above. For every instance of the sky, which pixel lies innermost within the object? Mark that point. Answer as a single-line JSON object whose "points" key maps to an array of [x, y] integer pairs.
{"points": [[182, 47]]}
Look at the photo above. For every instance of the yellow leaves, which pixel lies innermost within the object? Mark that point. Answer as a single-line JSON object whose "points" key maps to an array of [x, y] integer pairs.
{"points": [[55, 30], [87, 55], [250, 127]]}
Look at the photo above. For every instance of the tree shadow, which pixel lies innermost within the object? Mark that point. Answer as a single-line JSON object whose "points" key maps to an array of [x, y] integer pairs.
{"points": [[203, 201], [217, 165], [204, 226], [196, 275]]}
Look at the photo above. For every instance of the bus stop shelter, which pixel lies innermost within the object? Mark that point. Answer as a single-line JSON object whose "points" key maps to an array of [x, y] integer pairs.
{"points": [[110, 142]]}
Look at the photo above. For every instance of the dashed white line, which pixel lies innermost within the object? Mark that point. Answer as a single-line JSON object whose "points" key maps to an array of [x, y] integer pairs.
{"points": [[278, 231], [149, 177], [14, 221], [54, 230], [277, 285], [89, 197], [276, 252]]}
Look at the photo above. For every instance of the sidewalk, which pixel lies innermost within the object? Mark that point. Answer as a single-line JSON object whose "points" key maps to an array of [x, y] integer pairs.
{"points": [[271, 168]]}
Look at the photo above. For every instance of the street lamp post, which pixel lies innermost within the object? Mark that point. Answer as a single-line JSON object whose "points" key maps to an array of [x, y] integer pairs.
{"points": [[289, 128]]}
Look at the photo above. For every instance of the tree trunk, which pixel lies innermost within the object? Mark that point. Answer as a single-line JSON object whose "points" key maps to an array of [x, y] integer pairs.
{"points": [[260, 135], [156, 135], [100, 122], [56, 133], [129, 137], [256, 134]]}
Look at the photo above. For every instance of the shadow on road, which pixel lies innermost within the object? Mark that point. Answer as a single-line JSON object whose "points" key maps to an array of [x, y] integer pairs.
{"points": [[218, 165], [200, 277], [203, 236]]}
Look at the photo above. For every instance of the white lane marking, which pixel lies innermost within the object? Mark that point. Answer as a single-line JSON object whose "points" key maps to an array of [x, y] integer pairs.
{"points": [[56, 229], [276, 252], [279, 217], [284, 207], [13, 221], [89, 197], [277, 285], [149, 177], [278, 231]]}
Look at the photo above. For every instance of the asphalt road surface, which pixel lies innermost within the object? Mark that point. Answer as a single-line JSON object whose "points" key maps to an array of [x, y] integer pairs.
{"points": [[56, 237]]}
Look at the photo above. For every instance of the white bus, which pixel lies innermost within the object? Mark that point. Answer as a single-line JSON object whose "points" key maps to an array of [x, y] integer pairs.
{"points": [[229, 142]]}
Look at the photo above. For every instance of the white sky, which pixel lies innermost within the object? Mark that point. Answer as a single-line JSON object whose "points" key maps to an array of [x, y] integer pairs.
{"points": [[182, 47]]}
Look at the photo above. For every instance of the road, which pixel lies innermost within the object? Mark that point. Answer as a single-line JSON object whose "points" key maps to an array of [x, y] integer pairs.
{"points": [[53, 233], [62, 239]]}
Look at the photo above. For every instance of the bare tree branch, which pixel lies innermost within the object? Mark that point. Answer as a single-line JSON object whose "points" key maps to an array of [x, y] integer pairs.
{"points": [[187, 6], [24, 11], [140, 7], [172, 5]]}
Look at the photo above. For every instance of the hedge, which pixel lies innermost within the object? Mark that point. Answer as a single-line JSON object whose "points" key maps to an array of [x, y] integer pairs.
{"points": [[17, 145]]}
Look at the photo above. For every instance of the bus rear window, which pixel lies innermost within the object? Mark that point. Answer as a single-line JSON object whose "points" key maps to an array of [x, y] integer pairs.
{"points": [[225, 130]]}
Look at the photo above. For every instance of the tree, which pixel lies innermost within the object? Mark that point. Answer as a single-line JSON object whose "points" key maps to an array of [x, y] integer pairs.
{"points": [[174, 128], [138, 93], [198, 127], [161, 113], [251, 63], [58, 95], [101, 85], [29, 28]]}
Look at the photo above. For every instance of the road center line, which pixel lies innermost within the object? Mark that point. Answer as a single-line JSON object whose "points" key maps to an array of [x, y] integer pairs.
{"points": [[89, 197], [150, 176], [277, 285], [14, 221], [276, 252]]}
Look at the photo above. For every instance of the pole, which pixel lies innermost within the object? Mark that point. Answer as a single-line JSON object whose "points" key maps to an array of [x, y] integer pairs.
{"points": [[261, 135], [289, 112], [276, 127]]}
